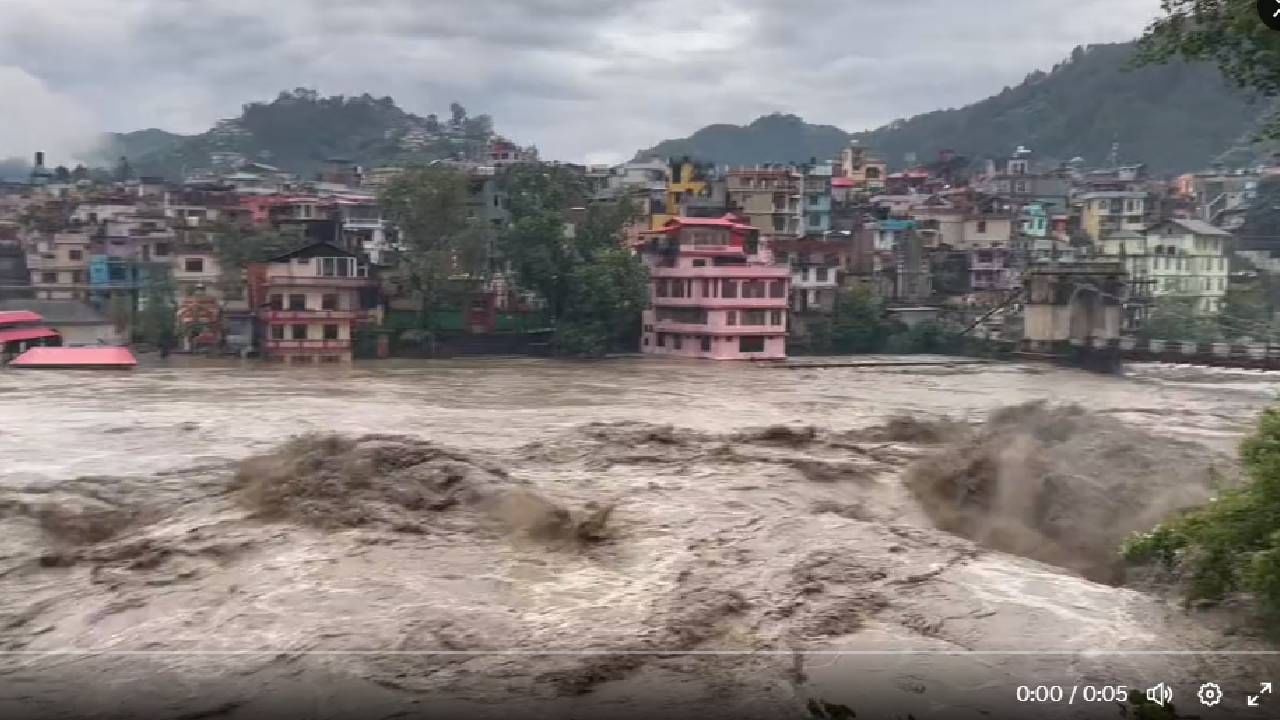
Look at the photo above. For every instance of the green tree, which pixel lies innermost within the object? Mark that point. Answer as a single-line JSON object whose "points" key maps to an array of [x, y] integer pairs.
{"points": [[157, 323], [120, 310], [1225, 32], [1175, 318], [1248, 310], [442, 244], [607, 294], [594, 289], [1233, 544], [859, 322]]}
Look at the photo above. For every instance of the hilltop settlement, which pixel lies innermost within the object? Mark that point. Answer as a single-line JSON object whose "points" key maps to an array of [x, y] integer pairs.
{"points": [[494, 251]]}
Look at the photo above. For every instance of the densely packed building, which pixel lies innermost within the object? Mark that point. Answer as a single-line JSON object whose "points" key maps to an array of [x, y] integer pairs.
{"points": [[741, 259]]}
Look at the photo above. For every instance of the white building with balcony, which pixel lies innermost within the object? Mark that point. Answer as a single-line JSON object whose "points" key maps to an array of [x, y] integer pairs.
{"points": [[309, 303]]}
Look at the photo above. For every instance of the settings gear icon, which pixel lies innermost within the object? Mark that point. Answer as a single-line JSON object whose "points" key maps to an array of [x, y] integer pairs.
{"points": [[1210, 694]]}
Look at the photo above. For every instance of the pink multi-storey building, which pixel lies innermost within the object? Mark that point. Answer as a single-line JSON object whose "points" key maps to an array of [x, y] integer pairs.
{"points": [[713, 292]]}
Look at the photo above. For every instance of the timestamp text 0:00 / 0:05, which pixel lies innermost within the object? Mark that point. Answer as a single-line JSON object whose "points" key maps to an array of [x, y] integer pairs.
{"points": [[1072, 694]]}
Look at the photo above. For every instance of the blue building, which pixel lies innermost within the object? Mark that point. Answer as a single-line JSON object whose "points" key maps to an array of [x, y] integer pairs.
{"points": [[817, 199]]}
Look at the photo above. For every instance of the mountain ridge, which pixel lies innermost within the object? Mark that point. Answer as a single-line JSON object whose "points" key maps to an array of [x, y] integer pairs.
{"points": [[1176, 117], [299, 131]]}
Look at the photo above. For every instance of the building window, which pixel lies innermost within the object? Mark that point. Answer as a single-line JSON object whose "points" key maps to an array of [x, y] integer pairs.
{"points": [[700, 263], [337, 267], [687, 316], [677, 288], [678, 341], [731, 317], [815, 220], [298, 332], [329, 301], [706, 343], [297, 302], [277, 332], [982, 227], [753, 289], [277, 302], [775, 317], [49, 278], [751, 344], [659, 288], [778, 289], [330, 332], [161, 249], [754, 317], [194, 265], [75, 254], [662, 339], [729, 288], [821, 274]]}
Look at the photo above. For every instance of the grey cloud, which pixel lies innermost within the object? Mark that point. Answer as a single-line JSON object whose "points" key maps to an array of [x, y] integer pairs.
{"points": [[576, 77]]}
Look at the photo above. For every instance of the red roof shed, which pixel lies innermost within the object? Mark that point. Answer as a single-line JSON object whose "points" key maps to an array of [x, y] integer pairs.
{"points": [[76, 357]]}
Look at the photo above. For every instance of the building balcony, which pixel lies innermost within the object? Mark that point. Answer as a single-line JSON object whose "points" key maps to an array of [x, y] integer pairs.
{"points": [[308, 345], [726, 272], [670, 326], [722, 303], [289, 315], [317, 281]]}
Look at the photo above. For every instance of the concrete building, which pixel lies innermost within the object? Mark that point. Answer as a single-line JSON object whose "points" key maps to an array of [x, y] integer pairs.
{"points": [[712, 292], [817, 198], [817, 269], [1177, 258], [687, 183], [769, 197], [309, 303], [59, 266], [1105, 211], [869, 174], [889, 258]]}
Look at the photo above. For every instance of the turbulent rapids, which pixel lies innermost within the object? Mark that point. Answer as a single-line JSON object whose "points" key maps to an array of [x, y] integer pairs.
{"points": [[483, 570]]}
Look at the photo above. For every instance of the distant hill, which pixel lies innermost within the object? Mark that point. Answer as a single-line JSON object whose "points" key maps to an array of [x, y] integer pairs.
{"points": [[771, 138], [136, 144], [299, 131], [1174, 117]]}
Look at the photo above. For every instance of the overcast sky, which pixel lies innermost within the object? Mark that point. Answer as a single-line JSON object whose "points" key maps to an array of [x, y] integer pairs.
{"points": [[587, 80]]}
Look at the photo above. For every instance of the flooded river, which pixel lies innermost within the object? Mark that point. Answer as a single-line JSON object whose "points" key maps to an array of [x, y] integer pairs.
{"points": [[552, 539]]}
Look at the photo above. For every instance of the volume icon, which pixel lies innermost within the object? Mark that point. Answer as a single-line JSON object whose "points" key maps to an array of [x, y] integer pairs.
{"points": [[1161, 694]]}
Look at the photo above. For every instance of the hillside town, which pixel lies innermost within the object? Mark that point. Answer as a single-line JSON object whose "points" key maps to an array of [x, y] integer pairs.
{"points": [[742, 262]]}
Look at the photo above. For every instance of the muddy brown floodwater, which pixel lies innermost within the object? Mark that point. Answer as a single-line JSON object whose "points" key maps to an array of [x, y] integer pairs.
{"points": [[632, 538]]}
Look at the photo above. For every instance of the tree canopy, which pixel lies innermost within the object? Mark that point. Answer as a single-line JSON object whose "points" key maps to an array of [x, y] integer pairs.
{"points": [[1228, 33], [442, 244], [593, 287]]}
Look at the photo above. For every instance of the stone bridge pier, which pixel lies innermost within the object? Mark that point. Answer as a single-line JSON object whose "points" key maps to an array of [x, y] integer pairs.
{"points": [[1073, 312]]}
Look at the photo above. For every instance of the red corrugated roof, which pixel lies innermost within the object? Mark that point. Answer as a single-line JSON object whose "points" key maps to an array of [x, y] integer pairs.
{"points": [[27, 333], [728, 221], [76, 357], [18, 317], [841, 182]]}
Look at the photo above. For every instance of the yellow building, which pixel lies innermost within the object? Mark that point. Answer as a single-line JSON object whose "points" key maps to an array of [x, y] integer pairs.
{"points": [[867, 173], [684, 184], [1104, 212]]}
